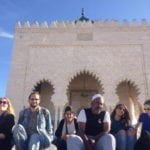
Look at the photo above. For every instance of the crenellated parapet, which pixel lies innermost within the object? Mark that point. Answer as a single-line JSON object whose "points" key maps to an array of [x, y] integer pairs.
{"points": [[69, 61], [73, 24]]}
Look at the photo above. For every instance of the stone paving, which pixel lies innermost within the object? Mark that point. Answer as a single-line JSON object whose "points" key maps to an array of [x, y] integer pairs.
{"points": [[53, 147]]}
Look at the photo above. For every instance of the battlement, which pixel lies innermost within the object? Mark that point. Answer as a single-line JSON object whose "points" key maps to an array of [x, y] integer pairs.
{"points": [[69, 61], [78, 24]]}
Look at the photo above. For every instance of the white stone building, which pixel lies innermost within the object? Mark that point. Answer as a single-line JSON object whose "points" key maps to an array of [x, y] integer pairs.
{"points": [[70, 61]]}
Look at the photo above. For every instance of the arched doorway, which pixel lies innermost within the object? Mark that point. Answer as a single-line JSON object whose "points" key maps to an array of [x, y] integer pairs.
{"points": [[46, 90], [128, 93], [81, 88]]}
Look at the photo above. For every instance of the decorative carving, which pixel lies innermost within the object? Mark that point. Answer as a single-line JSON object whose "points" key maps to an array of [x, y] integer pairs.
{"points": [[128, 93], [95, 24], [84, 77], [35, 25], [26, 25], [44, 25], [38, 85], [81, 88], [18, 24]]}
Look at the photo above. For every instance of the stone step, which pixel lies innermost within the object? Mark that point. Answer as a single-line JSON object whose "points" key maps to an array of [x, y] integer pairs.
{"points": [[52, 147]]}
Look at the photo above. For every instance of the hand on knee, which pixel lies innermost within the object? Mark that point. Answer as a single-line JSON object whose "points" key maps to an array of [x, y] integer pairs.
{"points": [[122, 132], [131, 132]]}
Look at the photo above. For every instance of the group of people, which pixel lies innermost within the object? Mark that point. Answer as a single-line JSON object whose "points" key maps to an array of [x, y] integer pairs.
{"points": [[33, 130], [92, 129]]}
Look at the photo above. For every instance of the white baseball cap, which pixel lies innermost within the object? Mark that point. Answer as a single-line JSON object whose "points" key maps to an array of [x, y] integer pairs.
{"points": [[97, 96]]}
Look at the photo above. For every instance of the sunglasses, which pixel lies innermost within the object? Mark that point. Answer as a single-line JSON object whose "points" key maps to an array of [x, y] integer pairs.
{"points": [[3, 102], [147, 109], [32, 99]]}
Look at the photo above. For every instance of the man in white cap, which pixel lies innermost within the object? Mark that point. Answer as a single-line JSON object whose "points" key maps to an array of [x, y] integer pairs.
{"points": [[94, 125]]}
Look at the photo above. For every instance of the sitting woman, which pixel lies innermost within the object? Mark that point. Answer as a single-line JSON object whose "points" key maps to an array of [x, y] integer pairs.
{"points": [[121, 128], [67, 127], [6, 123], [143, 143]]}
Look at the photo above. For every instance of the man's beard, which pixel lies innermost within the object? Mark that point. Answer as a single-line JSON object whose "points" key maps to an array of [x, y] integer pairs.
{"points": [[97, 110], [33, 106]]}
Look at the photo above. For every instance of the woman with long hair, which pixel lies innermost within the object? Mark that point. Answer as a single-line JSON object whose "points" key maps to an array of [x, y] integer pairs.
{"points": [[122, 129], [6, 123]]}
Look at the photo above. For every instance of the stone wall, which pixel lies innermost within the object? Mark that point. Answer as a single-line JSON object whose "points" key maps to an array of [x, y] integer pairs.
{"points": [[108, 51]]}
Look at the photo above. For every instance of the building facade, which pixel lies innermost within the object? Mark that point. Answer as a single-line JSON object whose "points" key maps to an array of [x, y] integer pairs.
{"points": [[68, 62]]}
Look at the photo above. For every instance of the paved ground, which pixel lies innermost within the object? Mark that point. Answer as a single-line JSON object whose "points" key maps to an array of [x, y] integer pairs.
{"points": [[51, 148]]}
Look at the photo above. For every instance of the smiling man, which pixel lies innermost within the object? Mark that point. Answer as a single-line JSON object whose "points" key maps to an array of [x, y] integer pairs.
{"points": [[34, 128], [94, 125]]}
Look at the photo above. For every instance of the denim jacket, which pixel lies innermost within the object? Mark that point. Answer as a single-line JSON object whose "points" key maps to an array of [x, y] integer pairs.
{"points": [[44, 125]]}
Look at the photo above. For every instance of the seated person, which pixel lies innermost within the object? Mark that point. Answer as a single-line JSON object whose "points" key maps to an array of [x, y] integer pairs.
{"points": [[143, 143], [94, 125], [121, 128], [34, 128], [6, 123], [67, 127]]}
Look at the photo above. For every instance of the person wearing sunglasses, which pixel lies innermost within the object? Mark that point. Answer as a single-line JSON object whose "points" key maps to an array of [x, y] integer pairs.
{"points": [[144, 120], [122, 129], [34, 128], [6, 123]]}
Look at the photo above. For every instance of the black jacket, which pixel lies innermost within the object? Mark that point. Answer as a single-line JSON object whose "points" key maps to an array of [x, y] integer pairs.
{"points": [[58, 132], [6, 124]]}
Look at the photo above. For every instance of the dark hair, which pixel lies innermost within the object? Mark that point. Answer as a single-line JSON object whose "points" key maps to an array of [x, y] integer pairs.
{"points": [[68, 108], [34, 93], [125, 118], [147, 102]]}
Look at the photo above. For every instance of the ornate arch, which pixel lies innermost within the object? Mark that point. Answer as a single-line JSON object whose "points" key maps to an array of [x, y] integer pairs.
{"points": [[46, 90], [81, 87], [132, 88], [88, 73], [128, 93], [38, 84]]}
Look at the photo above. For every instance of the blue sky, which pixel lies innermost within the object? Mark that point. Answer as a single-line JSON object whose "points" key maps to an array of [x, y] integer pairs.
{"points": [[12, 11]]}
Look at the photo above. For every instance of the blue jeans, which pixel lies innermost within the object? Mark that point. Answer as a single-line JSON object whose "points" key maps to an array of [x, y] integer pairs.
{"points": [[125, 142], [35, 142]]}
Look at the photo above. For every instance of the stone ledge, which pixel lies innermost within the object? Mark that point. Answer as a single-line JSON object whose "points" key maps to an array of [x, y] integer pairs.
{"points": [[52, 147]]}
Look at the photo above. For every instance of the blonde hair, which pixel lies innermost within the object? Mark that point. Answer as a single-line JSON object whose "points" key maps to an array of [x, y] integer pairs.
{"points": [[10, 108]]}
